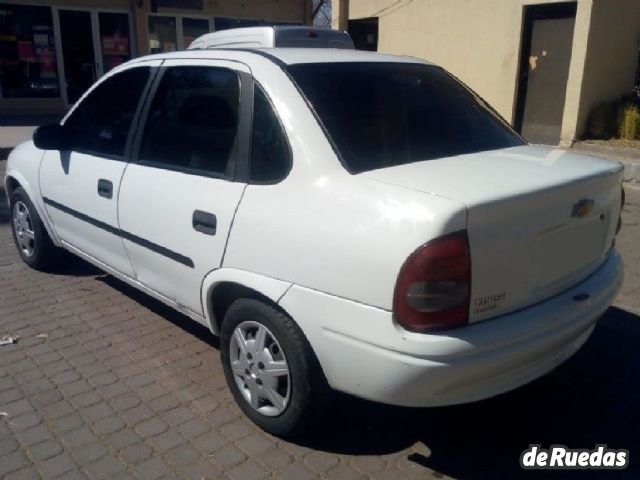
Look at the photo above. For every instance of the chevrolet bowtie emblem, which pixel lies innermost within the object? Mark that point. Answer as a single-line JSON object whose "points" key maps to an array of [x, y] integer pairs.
{"points": [[582, 208]]}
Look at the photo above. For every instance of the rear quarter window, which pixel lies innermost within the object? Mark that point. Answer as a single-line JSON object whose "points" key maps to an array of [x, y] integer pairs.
{"points": [[270, 153]]}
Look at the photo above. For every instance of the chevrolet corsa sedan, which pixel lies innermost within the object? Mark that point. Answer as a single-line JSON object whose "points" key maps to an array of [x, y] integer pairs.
{"points": [[343, 221]]}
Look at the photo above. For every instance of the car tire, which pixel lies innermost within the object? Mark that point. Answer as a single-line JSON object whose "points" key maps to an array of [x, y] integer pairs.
{"points": [[303, 394], [30, 235]]}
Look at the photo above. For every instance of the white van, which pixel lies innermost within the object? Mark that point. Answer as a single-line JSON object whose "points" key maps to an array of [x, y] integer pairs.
{"points": [[273, 36]]}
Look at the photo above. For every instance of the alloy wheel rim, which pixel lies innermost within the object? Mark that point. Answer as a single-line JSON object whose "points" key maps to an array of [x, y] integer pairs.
{"points": [[23, 227], [260, 368]]}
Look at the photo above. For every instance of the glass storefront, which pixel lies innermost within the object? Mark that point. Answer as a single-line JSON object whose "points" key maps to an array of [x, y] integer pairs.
{"points": [[114, 39], [86, 60], [163, 36], [28, 46], [168, 33], [27, 52], [80, 68]]}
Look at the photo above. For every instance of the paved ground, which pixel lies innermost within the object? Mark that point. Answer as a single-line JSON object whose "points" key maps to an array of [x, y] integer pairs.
{"points": [[104, 382], [615, 149], [625, 151]]}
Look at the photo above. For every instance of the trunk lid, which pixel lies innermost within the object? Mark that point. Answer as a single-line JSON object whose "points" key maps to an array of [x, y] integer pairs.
{"points": [[539, 220]]}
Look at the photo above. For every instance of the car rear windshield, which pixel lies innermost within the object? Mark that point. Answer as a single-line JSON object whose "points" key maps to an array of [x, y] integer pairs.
{"points": [[384, 114]]}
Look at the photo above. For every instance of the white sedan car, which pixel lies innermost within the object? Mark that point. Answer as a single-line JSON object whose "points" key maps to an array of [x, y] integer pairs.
{"points": [[343, 220]]}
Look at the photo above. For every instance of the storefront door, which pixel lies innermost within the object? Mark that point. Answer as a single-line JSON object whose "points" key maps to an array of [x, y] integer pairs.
{"points": [[80, 65], [92, 43]]}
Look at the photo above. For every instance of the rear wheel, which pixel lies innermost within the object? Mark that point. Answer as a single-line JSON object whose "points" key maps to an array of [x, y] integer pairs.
{"points": [[271, 369], [29, 234]]}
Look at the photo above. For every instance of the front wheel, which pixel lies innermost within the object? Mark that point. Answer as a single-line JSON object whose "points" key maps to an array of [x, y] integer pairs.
{"points": [[271, 369], [29, 234]]}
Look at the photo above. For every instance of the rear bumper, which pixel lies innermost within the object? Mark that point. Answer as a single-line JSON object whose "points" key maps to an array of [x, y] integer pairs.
{"points": [[365, 354]]}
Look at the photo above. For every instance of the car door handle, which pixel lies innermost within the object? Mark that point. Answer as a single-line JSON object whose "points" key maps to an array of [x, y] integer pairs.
{"points": [[105, 188], [204, 222]]}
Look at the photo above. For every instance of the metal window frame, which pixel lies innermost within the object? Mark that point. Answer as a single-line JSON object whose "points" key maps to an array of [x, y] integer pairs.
{"points": [[238, 163], [94, 13]]}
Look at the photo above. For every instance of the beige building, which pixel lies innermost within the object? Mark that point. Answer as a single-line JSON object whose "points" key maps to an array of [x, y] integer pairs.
{"points": [[51, 51], [542, 64]]}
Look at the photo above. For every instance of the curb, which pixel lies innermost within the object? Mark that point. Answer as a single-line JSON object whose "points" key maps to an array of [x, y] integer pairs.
{"points": [[631, 172], [4, 153], [622, 153]]}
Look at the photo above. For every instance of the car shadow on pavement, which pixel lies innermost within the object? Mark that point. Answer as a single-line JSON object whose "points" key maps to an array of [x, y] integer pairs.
{"points": [[594, 398], [4, 206], [73, 266], [168, 313]]}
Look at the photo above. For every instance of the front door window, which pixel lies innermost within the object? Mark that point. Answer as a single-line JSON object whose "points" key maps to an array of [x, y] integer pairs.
{"points": [[100, 124]]}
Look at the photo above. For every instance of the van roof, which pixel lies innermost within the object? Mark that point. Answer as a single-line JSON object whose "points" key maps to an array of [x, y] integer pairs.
{"points": [[273, 36]]}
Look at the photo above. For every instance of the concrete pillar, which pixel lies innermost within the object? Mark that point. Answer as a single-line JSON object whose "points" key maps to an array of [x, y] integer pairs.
{"points": [[340, 14], [140, 9], [576, 73]]}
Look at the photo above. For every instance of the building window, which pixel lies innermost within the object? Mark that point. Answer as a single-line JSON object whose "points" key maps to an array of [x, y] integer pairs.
{"points": [[192, 28], [168, 33], [162, 34], [27, 52], [225, 23], [364, 32], [114, 39]]}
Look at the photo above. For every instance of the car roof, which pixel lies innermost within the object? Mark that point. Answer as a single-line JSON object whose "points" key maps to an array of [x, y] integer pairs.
{"points": [[288, 56]]}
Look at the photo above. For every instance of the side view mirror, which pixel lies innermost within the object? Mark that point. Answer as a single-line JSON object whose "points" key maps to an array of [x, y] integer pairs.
{"points": [[51, 137]]}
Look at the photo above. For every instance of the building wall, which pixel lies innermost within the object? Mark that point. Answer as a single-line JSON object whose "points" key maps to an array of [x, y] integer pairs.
{"points": [[476, 40], [479, 42], [107, 4], [612, 54]]}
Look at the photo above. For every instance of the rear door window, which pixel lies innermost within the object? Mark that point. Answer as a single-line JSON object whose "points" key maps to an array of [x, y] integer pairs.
{"points": [[384, 114], [192, 123]]}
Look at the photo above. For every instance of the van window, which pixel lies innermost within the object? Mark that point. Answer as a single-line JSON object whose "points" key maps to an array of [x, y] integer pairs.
{"points": [[193, 121], [384, 114]]}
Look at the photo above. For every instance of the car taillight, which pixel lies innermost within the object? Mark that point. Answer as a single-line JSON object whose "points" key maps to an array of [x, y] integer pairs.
{"points": [[434, 284]]}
